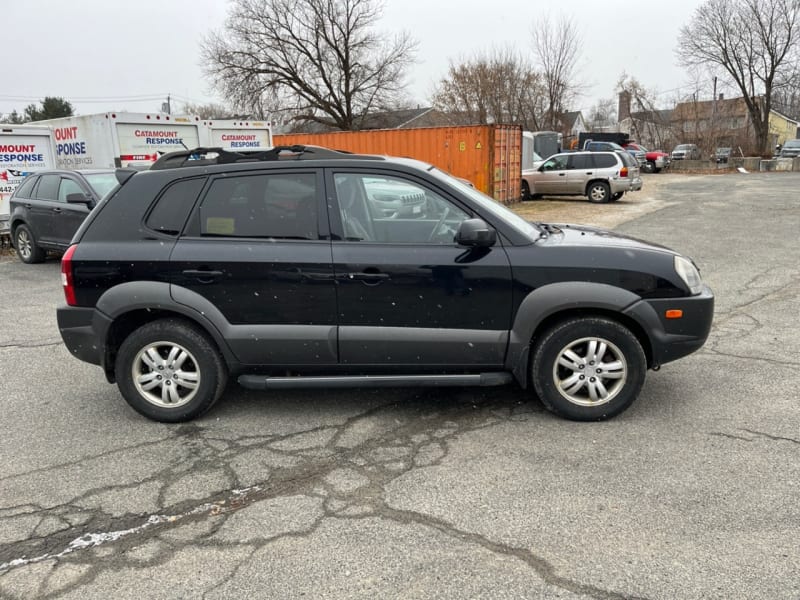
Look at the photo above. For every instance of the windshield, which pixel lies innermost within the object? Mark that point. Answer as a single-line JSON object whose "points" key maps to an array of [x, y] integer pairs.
{"points": [[683, 147], [102, 183], [792, 144], [489, 204]]}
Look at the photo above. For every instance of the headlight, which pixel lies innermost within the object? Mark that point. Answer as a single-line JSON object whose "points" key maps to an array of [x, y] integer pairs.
{"points": [[689, 273]]}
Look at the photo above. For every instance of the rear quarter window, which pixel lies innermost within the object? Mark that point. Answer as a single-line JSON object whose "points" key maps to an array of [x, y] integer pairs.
{"points": [[604, 161], [173, 206], [25, 190]]}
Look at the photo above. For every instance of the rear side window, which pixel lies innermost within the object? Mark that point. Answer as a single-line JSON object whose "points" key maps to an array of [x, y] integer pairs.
{"points": [[627, 159], [173, 206], [275, 205], [48, 187], [604, 161], [580, 161], [26, 188]]}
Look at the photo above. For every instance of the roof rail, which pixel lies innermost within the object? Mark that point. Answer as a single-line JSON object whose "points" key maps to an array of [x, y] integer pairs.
{"points": [[198, 157]]}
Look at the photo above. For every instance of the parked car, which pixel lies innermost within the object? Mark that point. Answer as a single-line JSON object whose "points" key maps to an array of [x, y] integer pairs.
{"points": [[393, 199], [721, 155], [686, 152], [790, 149], [183, 278], [48, 207], [600, 176]]}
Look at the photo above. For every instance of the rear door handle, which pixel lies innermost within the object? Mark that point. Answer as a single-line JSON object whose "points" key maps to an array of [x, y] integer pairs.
{"points": [[202, 275]]}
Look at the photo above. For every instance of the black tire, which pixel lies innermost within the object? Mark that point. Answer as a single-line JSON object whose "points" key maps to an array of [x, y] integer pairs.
{"points": [[525, 191], [617, 196], [649, 167], [27, 249], [201, 364], [619, 365], [657, 171], [598, 192]]}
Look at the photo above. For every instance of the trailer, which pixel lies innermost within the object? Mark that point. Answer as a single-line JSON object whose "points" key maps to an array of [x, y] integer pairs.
{"points": [[24, 149], [488, 156]]}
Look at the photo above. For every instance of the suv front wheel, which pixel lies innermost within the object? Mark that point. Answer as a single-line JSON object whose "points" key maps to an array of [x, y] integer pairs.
{"points": [[170, 371], [588, 368]]}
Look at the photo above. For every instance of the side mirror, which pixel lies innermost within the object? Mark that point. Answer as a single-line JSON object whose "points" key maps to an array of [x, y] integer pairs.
{"points": [[78, 198], [476, 233]]}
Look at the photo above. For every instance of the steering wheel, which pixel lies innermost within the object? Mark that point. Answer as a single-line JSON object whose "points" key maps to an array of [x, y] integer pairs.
{"points": [[439, 223]]}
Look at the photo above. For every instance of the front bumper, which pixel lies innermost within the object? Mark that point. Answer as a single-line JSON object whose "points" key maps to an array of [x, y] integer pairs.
{"points": [[671, 339]]}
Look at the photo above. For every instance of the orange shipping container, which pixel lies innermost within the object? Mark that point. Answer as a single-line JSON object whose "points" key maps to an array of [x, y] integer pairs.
{"points": [[487, 155]]}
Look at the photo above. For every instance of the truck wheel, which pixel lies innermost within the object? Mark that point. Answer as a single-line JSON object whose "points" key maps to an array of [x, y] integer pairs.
{"points": [[588, 368], [27, 248], [525, 191], [598, 192], [170, 371], [649, 167]]}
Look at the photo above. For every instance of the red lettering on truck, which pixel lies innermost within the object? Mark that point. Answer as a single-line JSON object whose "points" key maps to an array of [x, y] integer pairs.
{"points": [[237, 138], [162, 134], [18, 148], [66, 133]]}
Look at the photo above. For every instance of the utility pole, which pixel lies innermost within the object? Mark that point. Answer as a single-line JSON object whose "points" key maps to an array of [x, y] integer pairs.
{"points": [[166, 107]]}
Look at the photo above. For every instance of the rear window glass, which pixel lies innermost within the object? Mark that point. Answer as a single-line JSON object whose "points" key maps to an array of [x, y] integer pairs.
{"points": [[604, 161], [173, 207], [26, 188]]}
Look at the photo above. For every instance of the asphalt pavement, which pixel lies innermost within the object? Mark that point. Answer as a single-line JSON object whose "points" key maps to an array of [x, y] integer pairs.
{"points": [[443, 493]]}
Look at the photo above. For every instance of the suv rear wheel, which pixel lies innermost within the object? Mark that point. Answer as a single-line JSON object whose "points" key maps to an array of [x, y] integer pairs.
{"points": [[170, 371], [27, 248], [588, 368], [598, 191]]}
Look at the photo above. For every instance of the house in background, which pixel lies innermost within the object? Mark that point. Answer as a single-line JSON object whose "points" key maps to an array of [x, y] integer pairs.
{"points": [[726, 122], [572, 125]]}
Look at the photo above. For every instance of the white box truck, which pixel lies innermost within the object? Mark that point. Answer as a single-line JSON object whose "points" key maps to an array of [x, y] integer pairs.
{"points": [[237, 135], [24, 149], [109, 140]]}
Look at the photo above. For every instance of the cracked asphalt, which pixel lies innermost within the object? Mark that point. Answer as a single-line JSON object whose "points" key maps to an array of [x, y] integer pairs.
{"points": [[442, 493]]}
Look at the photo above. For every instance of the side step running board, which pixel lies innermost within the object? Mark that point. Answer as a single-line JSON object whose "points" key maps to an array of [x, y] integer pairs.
{"points": [[262, 382]]}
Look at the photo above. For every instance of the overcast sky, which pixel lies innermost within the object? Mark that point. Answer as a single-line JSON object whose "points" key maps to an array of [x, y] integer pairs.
{"points": [[107, 55]]}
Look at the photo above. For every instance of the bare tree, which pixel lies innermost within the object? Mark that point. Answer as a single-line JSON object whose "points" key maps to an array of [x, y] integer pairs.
{"points": [[323, 59], [210, 110], [493, 87], [755, 42], [602, 114], [556, 46]]}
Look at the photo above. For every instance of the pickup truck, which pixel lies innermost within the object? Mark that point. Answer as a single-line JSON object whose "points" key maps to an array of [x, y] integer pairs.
{"points": [[604, 146], [655, 160]]}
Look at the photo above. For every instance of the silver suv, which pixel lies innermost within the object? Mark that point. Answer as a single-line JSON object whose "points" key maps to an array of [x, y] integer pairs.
{"points": [[600, 176]]}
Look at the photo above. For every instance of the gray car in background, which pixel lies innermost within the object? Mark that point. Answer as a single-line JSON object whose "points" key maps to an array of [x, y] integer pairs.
{"points": [[600, 176]]}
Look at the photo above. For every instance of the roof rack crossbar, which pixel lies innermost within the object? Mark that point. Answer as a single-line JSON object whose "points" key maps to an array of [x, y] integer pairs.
{"points": [[197, 157]]}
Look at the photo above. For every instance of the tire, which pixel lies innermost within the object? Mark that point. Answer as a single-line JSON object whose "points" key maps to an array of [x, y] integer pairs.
{"points": [[617, 196], [598, 192], [164, 394], [27, 249], [562, 350], [525, 191], [649, 167]]}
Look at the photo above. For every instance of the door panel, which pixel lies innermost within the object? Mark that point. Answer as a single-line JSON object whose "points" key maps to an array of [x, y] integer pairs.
{"points": [[408, 296]]}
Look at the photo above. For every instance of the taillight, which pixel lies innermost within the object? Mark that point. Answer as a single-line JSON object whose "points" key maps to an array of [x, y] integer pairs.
{"points": [[66, 276], [623, 172]]}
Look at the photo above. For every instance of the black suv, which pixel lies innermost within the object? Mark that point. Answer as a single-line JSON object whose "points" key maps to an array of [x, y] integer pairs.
{"points": [[277, 269], [48, 207]]}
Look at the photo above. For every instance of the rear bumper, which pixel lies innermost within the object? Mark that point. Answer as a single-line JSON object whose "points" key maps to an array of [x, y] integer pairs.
{"points": [[671, 339], [84, 332]]}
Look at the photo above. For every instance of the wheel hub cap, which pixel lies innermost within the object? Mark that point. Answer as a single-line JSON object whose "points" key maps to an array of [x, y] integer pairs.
{"points": [[590, 371]]}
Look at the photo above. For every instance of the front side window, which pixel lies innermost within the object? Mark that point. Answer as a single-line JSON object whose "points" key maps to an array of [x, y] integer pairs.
{"points": [[279, 206], [377, 208], [68, 186], [555, 163]]}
